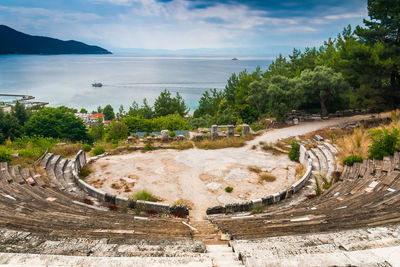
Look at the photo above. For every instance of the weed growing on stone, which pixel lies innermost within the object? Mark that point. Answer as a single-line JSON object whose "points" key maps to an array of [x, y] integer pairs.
{"points": [[228, 189], [267, 177]]}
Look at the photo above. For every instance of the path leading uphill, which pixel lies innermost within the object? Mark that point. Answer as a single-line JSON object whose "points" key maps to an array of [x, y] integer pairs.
{"points": [[307, 127]]}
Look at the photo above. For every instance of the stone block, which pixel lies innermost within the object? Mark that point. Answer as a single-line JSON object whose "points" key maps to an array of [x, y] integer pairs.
{"points": [[245, 129], [181, 137], [179, 211], [214, 131], [164, 136], [216, 210], [231, 131]]}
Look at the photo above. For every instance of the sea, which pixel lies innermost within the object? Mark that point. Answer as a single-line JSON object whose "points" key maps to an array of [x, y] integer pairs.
{"points": [[67, 79]]}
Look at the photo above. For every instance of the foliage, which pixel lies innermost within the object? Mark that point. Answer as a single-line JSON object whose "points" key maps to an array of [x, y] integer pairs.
{"points": [[108, 112], [294, 153], [200, 122], [96, 130], [83, 110], [9, 126], [56, 123], [171, 133], [143, 195], [165, 104], [98, 150], [350, 160], [116, 131], [86, 147], [5, 155], [384, 143], [85, 172], [228, 189]]}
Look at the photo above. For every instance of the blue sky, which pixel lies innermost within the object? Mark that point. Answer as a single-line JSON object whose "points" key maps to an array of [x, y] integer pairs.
{"points": [[254, 27]]}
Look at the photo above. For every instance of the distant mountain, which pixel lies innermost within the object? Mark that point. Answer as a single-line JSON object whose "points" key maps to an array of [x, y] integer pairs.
{"points": [[15, 42]]}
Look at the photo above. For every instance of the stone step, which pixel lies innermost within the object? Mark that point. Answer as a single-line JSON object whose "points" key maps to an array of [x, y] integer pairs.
{"points": [[222, 256]]}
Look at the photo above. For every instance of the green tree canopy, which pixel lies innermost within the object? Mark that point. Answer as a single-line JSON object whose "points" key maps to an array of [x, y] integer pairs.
{"points": [[57, 123], [321, 84], [108, 112], [165, 104]]}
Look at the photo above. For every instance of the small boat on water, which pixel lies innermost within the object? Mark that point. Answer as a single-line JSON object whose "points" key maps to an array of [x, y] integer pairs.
{"points": [[235, 58], [97, 84]]}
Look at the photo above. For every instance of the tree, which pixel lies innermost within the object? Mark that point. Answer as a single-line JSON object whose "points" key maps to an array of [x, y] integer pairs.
{"points": [[83, 110], [108, 112], [321, 84], [282, 96], [384, 29], [96, 130], [9, 126], [165, 104], [19, 112], [121, 112], [209, 103], [146, 111], [116, 131], [57, 123]]}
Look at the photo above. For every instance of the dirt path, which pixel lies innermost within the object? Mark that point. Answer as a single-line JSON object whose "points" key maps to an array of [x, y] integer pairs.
{"points": [[306, 127]]}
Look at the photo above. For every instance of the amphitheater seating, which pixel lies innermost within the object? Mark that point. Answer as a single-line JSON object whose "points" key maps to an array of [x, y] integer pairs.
{"points": [[26, 206], [368, 195]]}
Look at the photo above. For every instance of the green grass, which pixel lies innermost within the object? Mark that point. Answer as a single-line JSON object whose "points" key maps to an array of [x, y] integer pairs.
{"points": [[143, 195]]}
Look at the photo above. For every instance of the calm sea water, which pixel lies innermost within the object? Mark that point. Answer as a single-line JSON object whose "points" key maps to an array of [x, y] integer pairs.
{"points": [[66, 80]]}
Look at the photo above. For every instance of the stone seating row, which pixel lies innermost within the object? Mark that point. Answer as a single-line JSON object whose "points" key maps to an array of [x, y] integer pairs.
{"points": [[365, 196], [33, 208], [324, 249]]}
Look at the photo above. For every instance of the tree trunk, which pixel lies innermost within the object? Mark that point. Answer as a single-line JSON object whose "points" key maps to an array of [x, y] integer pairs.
{"points": [[324, 111]]}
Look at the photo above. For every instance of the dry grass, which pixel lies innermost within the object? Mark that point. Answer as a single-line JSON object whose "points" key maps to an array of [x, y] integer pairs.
{"points": [[181, 145], [222, 142], [183, 202], [300, 170], [356, 143], [267, 177], [254, 169], [66, 150]]}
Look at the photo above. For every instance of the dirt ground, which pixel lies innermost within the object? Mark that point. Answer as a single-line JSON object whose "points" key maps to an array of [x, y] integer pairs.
{"points": [[200, 176]]}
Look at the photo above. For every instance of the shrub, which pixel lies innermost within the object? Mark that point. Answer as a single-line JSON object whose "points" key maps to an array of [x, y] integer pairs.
{"points": [[143, 195], [384, 143], [85, 171], [98, 150], [300, 170], [294, 153], [239, 129], [254, 169], [86, 147], [5, 156], [267, 177], [116, 131], [228, 189], [171, 133], [350, 160], [256, 209]]}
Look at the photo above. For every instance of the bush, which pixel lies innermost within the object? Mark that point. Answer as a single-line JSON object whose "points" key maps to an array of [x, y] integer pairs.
{"points": [[350, 160], [228, 189], [171, 133], [85, 171], [5, 156], [384, 143], [267, 177], [66, 150], [294, 153], [98, 150], [86, 147], [143, 195]]}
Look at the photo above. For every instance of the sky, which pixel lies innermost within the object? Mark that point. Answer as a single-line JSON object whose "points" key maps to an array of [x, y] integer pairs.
{"points": [[253, 27]]}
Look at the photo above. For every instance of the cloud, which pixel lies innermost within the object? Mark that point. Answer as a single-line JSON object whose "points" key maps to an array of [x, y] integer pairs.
{"points": [[184, 24]]}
